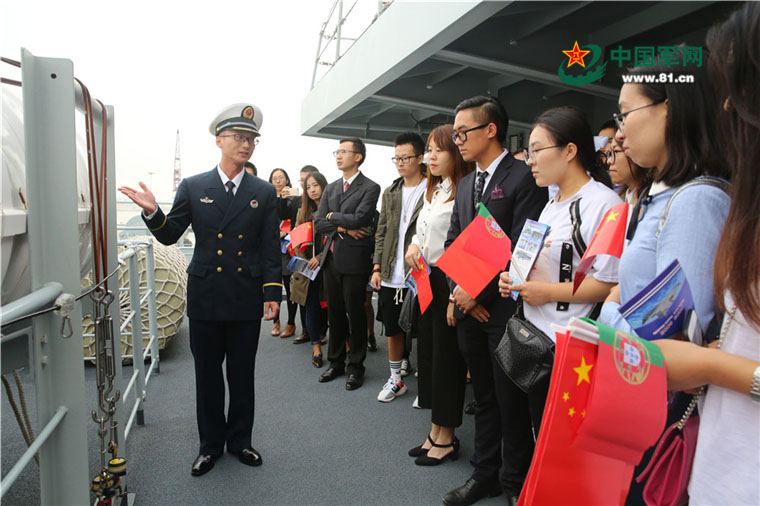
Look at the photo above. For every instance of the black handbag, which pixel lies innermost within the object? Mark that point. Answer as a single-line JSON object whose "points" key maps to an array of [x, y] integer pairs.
{"points": [[525, 353], [406, 313]]}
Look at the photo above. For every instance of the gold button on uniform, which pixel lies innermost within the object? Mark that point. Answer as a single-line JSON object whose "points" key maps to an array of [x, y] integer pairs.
{"points": [[219, 252], [240, 253], [240, 236], [219, 235], [240, 269], [218, 269]]}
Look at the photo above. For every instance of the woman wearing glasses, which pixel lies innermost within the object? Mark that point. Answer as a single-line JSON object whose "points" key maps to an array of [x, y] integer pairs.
{"points": [[670, 128], [631, 179], [280, 179], [561, 151], [441, 368]]}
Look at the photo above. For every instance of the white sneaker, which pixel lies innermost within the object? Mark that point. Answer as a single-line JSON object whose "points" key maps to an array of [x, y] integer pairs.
{"points": [[416, 403], [391, 390], [405, 367]]}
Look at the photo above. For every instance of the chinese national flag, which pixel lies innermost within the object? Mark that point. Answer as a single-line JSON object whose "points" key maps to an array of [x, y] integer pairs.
{"points": [[627, 407], [422, 278], [303, 234], [285, 226], [472, 273], [487, 241], [608, 240], [561, 473]]}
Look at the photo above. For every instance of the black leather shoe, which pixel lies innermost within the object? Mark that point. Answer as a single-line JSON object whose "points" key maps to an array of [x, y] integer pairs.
{"points": [[371, 343], [330, 374], [202, 464], [471, 492], [418, 451], [249, 456], [470, 408], [427, 460], [303, 338], [354, 381]]}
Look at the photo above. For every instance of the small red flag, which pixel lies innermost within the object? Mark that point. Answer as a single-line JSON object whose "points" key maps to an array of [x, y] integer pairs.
{"points": [[472, 273], [422, 278], [627, 406], [303, 233], [285, 226], [561, 473], [487, 241], [608, 240]]}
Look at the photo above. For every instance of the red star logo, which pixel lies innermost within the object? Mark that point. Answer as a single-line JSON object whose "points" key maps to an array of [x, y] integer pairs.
{"points": [[576, 56]]}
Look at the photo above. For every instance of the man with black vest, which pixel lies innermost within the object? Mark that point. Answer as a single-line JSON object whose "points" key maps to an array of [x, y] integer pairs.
{"points": [[234, 278], [507, 189], [345, 215]]}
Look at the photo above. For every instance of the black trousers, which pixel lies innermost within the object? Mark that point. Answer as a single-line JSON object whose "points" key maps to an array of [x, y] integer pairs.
{"points": [[346, 294], [442, 370], [212, 343], [503, 432]]}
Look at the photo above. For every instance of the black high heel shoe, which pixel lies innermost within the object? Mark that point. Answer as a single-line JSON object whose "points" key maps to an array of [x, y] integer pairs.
{"points": [[419, 450], [316, 360], [426, 460]]}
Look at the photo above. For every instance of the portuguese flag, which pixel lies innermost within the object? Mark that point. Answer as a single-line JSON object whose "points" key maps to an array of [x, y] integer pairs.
{"points": [[627, 405], [561, 472], [608, 240], [480, 252]]}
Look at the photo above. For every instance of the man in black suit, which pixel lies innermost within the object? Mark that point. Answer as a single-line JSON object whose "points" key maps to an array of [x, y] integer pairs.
{"points": [[234, 273], [345, 214], [506, 187]]}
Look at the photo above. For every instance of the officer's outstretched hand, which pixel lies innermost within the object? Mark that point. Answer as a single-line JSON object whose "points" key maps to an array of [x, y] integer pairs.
{"points": [[271, 310], [144, 199]]}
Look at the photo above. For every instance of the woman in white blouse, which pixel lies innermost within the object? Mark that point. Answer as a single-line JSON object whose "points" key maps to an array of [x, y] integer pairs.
{"points": [[441, 368]]}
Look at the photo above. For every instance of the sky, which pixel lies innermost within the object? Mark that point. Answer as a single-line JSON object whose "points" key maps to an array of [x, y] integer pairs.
{"points": [[169, 65]]}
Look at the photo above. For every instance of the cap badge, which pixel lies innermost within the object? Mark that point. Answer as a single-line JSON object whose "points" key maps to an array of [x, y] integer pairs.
{"points": [[247, 112]]}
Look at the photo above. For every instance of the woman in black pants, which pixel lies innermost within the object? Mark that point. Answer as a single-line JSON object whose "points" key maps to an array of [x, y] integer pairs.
{"points": [[288, 210], [441, 368]]}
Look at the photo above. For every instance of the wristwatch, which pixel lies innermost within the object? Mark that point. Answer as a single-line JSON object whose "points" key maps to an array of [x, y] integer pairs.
{"points": [[754, 390]]}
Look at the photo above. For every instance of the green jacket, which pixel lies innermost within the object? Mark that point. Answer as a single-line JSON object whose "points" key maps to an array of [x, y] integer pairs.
{"points": [[386, 237]]}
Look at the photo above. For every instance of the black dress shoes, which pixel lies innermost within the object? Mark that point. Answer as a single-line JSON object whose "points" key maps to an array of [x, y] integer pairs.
{"points": [[248, 456], [471, 492], [330, 374], [354, 381], [371, 343], [202, 464]]}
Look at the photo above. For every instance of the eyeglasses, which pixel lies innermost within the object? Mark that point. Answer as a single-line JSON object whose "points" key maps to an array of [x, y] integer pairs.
{"points": [[610, 155], [342, 152], [620, 117], [243, 138], [530, 153], [403, 159], [462, 134]]}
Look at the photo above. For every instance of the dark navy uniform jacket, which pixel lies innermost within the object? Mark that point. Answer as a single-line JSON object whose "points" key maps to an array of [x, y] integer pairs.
{"points": [[236, 263]]}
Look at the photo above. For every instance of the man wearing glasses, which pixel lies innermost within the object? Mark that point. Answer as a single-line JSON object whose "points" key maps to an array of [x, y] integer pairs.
{"points": [[233, 280], [346, 213], [506, 187]]}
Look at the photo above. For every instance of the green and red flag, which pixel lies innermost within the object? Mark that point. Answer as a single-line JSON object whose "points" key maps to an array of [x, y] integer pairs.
{"points": [[608, 240], [562, 473], [487, 241], [627, 405], [422, 280], [472, 272], [302, 236]]}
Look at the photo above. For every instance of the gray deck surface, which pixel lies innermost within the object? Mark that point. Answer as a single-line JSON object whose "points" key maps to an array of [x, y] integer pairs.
{"points": [[320, 443]]}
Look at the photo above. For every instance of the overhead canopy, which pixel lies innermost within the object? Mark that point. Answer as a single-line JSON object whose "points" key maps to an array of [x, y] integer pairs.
{"points": [[418, 60]]}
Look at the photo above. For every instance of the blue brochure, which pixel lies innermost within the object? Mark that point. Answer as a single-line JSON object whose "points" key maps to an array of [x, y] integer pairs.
{"points": [[659, 309]]}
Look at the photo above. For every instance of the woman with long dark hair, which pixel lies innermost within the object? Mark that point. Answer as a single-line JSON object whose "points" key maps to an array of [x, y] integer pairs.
{"points": [[630, 179], [280, 179], [441, 368], [305, 292], [727, 456]]}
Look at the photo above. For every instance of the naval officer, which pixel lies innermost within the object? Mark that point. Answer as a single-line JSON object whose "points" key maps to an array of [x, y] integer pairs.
{"points": [[234, 273]]}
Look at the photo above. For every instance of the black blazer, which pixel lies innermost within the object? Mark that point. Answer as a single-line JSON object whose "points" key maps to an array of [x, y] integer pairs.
{"points": [[353, 209], [236, 262], [511, 196]]}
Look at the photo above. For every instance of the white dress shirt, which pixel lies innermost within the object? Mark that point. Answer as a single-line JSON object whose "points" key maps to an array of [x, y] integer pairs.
{"points": [[433, 222]]}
